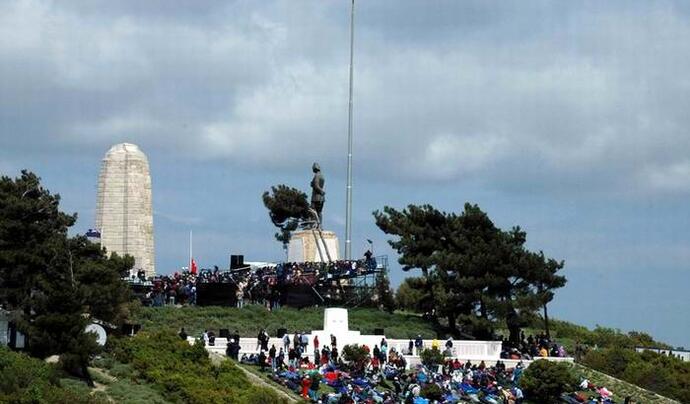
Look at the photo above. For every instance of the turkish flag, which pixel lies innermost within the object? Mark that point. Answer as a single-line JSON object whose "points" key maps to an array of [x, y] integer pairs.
{"points": [[193, 266]]}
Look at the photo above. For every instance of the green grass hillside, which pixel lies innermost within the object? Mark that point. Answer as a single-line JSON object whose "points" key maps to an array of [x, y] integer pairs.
{"points": [[24, 379], [251, 319]]}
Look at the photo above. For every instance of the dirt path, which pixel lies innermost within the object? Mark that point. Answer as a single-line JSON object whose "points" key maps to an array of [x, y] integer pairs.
{"points": [[100, 387], [258, 380]]}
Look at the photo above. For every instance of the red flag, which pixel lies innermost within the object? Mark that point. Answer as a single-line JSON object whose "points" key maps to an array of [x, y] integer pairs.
{"points": [[193, 269]]}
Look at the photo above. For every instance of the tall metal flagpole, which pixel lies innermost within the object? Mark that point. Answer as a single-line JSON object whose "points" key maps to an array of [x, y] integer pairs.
{"points": [[190, 251], [348, 213]]}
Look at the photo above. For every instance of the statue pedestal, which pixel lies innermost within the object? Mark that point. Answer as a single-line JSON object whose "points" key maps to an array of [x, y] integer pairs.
{"points": [[303, 246]]}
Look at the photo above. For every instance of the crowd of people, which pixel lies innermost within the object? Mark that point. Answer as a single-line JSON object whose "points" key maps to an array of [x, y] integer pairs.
{"points": [[531, 347], [324, 376], [385, 378], [256, 284]]}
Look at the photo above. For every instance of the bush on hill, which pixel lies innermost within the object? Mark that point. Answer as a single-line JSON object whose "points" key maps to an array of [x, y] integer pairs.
{"points": [[544, 381], [664, 375], [602, 337], [184, 373], [357, 356], [28, 380], [431, 357]]}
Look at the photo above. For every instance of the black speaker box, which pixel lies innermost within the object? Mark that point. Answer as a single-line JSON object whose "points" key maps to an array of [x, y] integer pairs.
{"points": [[236, 261]]}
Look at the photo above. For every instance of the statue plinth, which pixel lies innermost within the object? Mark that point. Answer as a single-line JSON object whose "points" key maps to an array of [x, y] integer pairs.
{"points": [[303, 246]]}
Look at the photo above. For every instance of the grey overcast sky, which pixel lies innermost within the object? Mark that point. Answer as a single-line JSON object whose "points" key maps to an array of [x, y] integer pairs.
{"points": [[567, 118]]}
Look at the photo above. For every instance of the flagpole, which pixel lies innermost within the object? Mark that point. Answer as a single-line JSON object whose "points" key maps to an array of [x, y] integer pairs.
{"points": [[348, 209], [190, 251]]}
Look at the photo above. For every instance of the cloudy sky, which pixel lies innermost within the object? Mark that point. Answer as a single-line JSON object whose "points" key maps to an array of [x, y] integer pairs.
{"points": [[567, 118]]}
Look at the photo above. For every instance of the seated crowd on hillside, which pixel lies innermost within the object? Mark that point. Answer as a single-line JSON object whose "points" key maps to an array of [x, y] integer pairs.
{"points": [[532, 347], [385, 378], [325, 377], [258, 285]]}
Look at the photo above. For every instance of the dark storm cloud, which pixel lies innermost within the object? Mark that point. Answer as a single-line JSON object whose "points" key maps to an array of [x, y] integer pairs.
{"points": [[451, 88]]}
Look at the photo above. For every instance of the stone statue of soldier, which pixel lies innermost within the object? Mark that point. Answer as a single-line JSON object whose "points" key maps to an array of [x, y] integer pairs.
{"points": [[318, 195]]}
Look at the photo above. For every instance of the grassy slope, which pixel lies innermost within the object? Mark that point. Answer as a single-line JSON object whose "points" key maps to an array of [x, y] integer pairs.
{"points": [[251, 319], [621, 388]]}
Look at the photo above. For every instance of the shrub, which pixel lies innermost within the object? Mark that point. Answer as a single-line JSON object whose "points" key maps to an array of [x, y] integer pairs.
{"points": [[357, 356], [544, 381], [649, 376], [28, 380], [184, 372], [431, 357], [611, 361], [662, 374], [432, 391]]}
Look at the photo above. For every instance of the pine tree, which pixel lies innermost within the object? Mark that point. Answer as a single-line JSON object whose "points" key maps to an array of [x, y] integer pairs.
{"points": [[474, 273], [53, 284], [286, 206]]}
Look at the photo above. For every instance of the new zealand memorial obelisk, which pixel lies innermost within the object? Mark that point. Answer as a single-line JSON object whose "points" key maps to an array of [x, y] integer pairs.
{"points": [[124, 215]]}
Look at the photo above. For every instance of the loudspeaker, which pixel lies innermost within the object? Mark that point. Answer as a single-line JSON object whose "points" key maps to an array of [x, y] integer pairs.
{"points": [[236, 261], [282, 332], [224, 333], [379, 331]]}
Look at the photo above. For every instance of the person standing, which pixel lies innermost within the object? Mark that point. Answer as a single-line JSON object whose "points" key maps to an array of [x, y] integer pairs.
{"points": [[280, 360], [286, 342], [418, 344], [272, 357], [264, 340]]}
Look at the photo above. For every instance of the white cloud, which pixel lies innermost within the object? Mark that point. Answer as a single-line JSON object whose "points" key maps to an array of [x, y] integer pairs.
{"points": [[673, 177], [449, 156]]}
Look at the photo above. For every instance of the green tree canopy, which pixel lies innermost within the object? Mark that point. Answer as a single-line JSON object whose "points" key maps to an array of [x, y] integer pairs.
{"points": [[53, 284], [472, 271], [286, 206]]}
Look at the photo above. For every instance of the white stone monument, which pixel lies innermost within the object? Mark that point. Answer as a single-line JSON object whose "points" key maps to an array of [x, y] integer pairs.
{"points": [[124, 215], [305, 244]]}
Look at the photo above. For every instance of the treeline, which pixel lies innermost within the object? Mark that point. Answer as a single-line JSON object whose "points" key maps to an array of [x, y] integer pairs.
{"points": [[667, 376], [599, 337]]}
